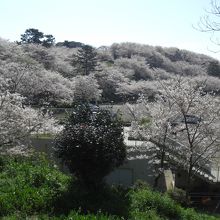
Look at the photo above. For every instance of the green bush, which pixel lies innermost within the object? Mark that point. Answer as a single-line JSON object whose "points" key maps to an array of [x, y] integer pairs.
{"points": [[91, 144], [146, 199], [73, 215], [191, 214], [148, 204], [31, 188], [29, 185], [99, 216], [109, 200], [147, 215], [178, 195], [139, 184]]}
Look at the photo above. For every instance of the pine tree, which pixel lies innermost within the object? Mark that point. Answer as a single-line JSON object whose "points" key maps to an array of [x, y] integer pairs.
{"points": [[85, 60], [32, 35]]}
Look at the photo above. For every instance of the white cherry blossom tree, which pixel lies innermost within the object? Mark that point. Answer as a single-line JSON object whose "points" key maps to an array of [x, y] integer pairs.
{"points": [[86, 88], [17, 121], [35, 83], [183, 123]]}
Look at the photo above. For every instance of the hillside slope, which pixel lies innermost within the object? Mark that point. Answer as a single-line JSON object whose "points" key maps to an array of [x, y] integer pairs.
{"points": [[49, 75]]}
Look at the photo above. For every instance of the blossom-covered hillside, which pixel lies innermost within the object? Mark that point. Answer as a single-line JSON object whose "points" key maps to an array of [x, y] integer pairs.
{"points": [[121, 72]]}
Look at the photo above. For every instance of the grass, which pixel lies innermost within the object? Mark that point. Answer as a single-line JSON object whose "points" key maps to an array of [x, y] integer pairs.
{"points": [[73, 215]]}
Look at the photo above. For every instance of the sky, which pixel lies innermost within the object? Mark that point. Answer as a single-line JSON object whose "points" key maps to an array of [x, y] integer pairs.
{"points": [[167, 23]]}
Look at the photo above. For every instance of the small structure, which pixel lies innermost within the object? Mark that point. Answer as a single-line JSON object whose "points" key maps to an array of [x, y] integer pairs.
{"points": [[140, 166]]}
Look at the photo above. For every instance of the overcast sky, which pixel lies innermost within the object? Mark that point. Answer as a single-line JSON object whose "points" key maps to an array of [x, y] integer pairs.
{"points": [[166, 23]]}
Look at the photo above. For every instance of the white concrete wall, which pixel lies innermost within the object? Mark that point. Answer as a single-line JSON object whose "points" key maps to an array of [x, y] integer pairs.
{"points": [[131, 171]]}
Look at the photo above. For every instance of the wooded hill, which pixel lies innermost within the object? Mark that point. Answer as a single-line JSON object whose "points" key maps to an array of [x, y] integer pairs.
{"points": [[58, 75]]}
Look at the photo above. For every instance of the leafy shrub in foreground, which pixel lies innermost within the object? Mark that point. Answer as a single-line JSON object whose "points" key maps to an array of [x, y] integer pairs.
{"points": [[109, 200], [73, 215], [145, 199], [29, 185], [178, 195], [146, 203], [99, 216], [148, 215]]}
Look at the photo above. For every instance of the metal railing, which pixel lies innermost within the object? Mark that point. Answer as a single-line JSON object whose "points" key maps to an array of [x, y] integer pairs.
{"points": [[204, 168]]}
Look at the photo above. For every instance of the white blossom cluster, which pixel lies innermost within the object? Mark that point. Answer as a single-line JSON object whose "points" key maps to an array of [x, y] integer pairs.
{"points": [[17, 122], [183, 122]]}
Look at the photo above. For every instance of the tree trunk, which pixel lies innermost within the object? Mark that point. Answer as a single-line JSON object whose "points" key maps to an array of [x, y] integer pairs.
{"points": [[161, 167], [162, 159], [188, 183], [156, 181]]}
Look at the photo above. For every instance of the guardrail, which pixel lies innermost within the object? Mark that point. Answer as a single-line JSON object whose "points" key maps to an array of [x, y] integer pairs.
{"points": [[206, 200], [204, 169]]}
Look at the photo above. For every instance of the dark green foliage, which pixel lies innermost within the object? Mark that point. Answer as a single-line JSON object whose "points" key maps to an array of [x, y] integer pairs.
{"points": [[110, 200], [73, 215], [29, 175], [174, 54], [155, 61], [34, 36], [178, 195], [150, 204], [29, 185], [98, 216], [214, 69], [145, 199], [85, 60], [147, 215], [69, 44], [91, 143], [48, 40]]}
